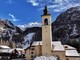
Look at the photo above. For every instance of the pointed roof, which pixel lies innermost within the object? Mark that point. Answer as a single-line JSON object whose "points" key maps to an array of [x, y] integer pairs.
{"points": [[46, 10]]}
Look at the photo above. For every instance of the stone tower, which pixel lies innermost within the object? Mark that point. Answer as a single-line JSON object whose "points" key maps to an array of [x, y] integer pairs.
{"points": [[46, 33]]}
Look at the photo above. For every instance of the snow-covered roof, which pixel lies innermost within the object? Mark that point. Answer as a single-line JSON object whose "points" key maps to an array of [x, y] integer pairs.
{"points": [[3, 46], [19, 49], [6, 50], [57, 46], [45, 58], [37, 43], [69, 47], [71, 53], [10, 50]]}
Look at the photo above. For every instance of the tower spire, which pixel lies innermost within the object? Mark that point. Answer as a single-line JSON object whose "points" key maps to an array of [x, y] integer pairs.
{"points": [[45, 9], [46, 33]]}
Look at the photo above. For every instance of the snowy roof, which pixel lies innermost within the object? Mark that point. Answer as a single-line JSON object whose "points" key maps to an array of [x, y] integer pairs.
{"points": [[19, 49], [57, 46], [69, 47], [45, 58], [3, 46], [71, 53], [6, 50], [37, 43], [10, 50]]}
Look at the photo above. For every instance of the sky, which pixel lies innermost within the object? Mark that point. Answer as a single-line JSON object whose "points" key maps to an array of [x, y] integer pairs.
{"points": [[21, 12]]}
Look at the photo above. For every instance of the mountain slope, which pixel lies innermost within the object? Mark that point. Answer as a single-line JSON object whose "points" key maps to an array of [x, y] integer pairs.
{"points": [[66, 23], [9, 32], [66, 28]]}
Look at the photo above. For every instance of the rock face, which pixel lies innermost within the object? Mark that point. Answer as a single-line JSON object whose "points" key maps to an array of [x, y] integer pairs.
{"points": [[9, 33], [66, 27], [38, 33], [67, 24]]}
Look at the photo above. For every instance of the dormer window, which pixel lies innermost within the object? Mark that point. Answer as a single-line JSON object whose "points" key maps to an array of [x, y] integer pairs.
{"points": [[46, 21]]}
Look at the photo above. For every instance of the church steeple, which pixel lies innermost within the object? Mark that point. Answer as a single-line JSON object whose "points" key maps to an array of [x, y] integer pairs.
{"points": [[46, 33], [45, 10]]}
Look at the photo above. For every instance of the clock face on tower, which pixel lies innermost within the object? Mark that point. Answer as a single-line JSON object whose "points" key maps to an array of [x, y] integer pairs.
{"points": [[46, 21]]}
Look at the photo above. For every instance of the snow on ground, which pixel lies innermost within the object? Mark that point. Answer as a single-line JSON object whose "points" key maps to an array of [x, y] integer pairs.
{"points": [[27, 40], [74, 32], [46, 58]]}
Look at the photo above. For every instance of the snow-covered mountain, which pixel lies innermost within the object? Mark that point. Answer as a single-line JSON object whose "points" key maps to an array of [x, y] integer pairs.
{"points": [[8, 23], [10, 32], [67, 24], [27, 40], [66, 27]]}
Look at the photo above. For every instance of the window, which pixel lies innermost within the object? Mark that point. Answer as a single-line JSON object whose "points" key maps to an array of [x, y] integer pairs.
{"points": [[32, 57], [32, 48], [46, 53], [67, 59], [46, 44], [31, 52], [46, 21], [66, 46]]}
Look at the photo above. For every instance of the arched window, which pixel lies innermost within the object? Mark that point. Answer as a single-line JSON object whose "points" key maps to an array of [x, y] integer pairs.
{"points": [[46, 22]]}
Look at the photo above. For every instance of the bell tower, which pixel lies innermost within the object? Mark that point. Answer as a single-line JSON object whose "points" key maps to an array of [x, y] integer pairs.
{"points": [[46, 33]]}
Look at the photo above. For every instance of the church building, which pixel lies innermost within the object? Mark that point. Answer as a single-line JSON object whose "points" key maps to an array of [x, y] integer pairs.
{"points": [[47, 47]]}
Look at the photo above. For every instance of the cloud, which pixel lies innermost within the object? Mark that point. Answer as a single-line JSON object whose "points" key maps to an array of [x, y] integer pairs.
{"points": [[11, 15], [34, 3], [58, 1], [55, 5], [13, 18], [32, 24]]}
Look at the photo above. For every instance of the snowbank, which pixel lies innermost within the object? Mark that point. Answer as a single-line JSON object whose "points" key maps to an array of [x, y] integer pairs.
{"points": [[46, 58]]}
